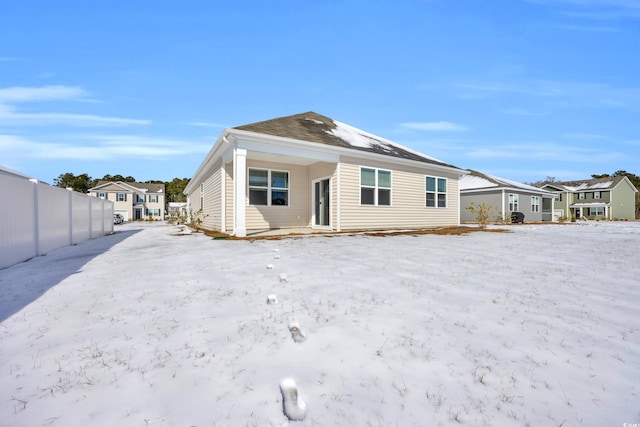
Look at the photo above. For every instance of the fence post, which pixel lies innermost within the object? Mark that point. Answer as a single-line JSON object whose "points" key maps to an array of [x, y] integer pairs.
{"points": [[70, 215], [36, 219], [90, 220]]}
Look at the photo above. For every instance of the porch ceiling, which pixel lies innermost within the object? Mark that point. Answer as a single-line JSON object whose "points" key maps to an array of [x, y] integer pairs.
{"points": [[278, 158]]}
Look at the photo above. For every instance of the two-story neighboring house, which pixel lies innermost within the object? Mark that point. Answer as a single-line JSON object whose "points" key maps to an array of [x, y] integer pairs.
{"points": [[600, 198], [133, 200]]}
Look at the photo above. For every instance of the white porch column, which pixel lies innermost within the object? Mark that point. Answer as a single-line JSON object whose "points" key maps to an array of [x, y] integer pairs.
{"points": [[239, 192]]}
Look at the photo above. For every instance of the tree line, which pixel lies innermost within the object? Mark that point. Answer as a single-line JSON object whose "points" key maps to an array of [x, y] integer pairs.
{"points": [[83, 182]]}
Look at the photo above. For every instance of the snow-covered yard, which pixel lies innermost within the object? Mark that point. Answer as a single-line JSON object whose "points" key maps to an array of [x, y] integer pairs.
{"points": [[537, 327]]}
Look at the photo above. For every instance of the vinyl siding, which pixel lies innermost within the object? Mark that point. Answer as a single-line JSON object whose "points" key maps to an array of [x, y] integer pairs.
{"points": [[491, 198], [297, 214], [212, 199], [623, 202], [408, 200]]}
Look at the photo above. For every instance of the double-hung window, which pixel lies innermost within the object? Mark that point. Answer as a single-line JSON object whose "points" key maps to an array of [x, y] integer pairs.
{"points": [[153, 198], [513, 202], [535, 204], [121, 197], [597, 195], [102, 195], [436, 192], [140, 198], [375, 187], [268, 187], [581, 196]]}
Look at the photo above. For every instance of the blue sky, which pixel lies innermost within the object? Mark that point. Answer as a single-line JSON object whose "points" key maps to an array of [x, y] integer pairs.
{"points": [[522, 89]]}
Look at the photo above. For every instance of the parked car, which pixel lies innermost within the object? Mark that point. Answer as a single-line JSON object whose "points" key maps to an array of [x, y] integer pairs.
{"points": [[117, 219]]}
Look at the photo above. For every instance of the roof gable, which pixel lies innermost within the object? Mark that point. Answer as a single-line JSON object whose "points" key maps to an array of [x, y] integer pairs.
{"points": [[133, 187], [477, 181], [313, 127], [595, 184]]}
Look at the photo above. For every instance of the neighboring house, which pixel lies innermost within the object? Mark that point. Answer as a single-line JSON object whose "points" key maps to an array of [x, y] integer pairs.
{"points": [[505, 196], [177, 209], [133, 200], [310, 171], [600, 198]]}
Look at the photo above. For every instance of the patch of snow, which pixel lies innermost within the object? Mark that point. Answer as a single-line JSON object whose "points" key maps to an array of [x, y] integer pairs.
{"points": [[472, 182], [293, 406], [538, 326], [359, 138], [586, 186], [272, 299], [318, 122]]}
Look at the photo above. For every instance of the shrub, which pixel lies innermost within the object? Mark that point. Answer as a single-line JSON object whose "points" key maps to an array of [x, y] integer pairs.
{"points": [[482, 212]]}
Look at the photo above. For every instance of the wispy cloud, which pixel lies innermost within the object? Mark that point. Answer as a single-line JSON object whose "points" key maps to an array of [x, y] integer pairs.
{"points": [[557, 93], [43, 93], [206, 125], [101, 147], [440, 126], [589, 28], [545, 151], [9, 115], [596, 10]]}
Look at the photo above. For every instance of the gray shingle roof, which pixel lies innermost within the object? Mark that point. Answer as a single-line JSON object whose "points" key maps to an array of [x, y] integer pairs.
{"points": [[313, 127], [606, 183], [150, 187]]}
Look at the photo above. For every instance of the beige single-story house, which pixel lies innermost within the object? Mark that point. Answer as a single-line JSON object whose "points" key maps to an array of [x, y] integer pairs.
{"points": [[133, 200], [310, 171]]}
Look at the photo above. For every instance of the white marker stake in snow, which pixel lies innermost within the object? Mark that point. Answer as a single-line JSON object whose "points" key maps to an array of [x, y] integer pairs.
{"points": [[292, 404], [283, 277], [269, 266], [272, 299]]}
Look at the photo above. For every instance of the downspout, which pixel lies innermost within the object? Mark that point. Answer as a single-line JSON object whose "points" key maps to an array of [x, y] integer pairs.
{"points": [[223, 198], [338, 192]]}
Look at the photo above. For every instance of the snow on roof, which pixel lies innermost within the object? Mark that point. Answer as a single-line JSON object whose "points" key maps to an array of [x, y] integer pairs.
{"points": [[477, 180], [473, 182], [584, 186], [359, 138]]}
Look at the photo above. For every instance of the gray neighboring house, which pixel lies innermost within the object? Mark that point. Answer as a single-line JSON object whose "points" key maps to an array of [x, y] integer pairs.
{"points": [[610, 198], [506, 196]]}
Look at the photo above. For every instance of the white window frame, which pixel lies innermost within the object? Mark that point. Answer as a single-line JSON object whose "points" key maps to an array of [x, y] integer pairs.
{"points": [[376, 187], [514, 202], [597, 195], [437, 193], [102, 195], [153, 198], [270, 188], [121, 197], [581, 196], [535, 203], [140, 198]]}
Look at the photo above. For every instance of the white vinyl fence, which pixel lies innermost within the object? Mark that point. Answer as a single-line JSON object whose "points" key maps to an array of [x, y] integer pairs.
{"points": [[36, 218]]}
